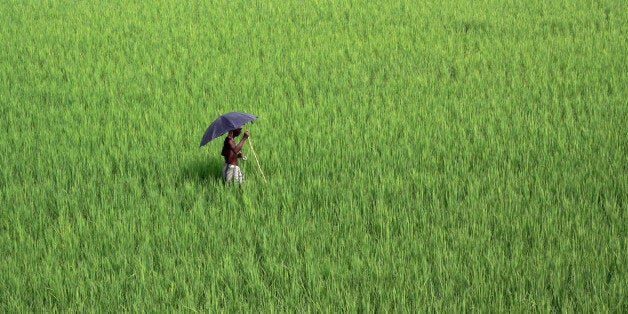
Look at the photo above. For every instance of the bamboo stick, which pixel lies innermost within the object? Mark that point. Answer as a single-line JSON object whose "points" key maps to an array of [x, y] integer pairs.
{"points": [[256, 160]]}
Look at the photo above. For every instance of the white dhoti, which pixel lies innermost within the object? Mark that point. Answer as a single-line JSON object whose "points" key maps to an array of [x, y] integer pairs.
{"points": [[232, 173]]}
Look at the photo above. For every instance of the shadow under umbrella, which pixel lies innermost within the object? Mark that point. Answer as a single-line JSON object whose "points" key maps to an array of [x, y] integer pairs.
{"points": [[206, 169]]}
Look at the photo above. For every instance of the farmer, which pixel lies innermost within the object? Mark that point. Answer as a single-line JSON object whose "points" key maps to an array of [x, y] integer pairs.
{"points": [[231, 172]]}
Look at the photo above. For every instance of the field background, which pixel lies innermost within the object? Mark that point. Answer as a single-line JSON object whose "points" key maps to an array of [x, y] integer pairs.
{"points": [[421, 155]]}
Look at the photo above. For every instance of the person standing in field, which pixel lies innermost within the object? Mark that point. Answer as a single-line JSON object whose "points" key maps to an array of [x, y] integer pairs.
{"points": [[231, 172]]}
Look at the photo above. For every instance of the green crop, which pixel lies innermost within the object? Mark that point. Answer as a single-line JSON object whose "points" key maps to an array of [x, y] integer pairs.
{"points": [[445, 156]]}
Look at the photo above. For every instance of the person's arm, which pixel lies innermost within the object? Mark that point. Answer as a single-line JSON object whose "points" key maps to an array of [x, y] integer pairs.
{"points": [[236, 148]]}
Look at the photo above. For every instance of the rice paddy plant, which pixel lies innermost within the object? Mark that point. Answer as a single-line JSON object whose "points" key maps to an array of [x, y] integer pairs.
{"points": [[440, 155]]}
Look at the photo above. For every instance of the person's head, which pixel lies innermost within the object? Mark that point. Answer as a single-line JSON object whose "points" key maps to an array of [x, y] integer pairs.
{"points": [[236, 132]]}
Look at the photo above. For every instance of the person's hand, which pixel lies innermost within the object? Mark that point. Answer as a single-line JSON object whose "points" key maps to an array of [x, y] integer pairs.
{"points": [[246, 134]]}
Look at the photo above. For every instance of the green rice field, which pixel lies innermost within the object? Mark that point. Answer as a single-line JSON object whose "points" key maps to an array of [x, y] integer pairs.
{"points": [[420, 156]]}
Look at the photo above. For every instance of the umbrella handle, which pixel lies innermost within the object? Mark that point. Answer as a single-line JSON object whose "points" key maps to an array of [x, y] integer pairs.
{"points": [[257, 161]]}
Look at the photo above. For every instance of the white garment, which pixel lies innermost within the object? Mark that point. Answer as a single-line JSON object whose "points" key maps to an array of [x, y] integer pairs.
{"points": [[232, 173]]}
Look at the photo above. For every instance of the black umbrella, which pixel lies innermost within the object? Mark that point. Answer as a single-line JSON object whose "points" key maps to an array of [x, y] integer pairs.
{"points": [[225, 123]]}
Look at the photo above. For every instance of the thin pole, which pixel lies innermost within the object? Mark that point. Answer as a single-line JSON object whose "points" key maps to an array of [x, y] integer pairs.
{"points": [[256, 160]]}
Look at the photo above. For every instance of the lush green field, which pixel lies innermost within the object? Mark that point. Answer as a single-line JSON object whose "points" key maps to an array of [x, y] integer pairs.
{"points": [[421, 155]]}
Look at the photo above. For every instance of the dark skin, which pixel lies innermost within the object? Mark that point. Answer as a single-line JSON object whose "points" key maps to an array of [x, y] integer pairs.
{"points": [[230, 149]]}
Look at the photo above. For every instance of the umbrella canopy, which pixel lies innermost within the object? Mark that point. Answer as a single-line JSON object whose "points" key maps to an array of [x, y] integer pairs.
{"points": [[225, 123]]}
